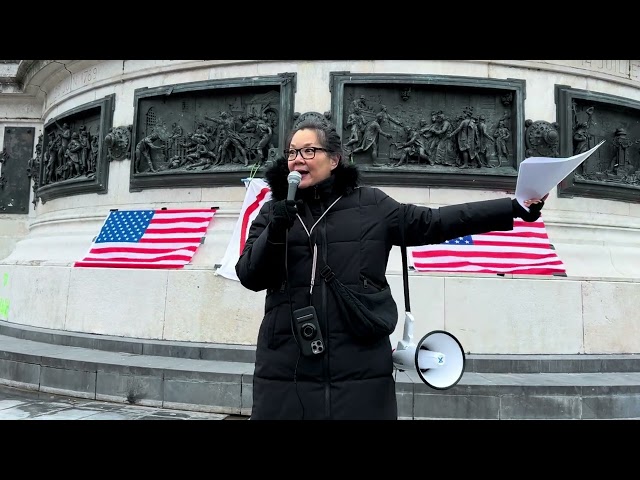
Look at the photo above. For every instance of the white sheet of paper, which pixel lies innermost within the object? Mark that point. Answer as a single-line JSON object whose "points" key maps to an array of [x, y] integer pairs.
{"points": [[538, 175]]}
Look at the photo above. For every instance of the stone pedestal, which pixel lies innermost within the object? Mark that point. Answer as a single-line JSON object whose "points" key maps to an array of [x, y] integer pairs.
{"points": [[592, 310]]}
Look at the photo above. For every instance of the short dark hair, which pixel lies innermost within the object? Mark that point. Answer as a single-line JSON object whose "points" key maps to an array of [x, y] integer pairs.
{"points": [[328, 136]]}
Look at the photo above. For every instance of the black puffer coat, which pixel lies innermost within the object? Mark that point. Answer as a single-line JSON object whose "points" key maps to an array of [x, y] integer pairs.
{"points": [[351, 379]]}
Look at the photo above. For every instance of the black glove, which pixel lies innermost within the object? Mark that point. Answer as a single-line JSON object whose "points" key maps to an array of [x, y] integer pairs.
{"points": [[532, 215], [284, 214]]}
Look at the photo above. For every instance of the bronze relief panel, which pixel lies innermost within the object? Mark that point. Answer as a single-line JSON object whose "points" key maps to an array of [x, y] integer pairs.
{"points": [[72, 159], [586, 118], [208, 133], [431, 130], [15, 160]]}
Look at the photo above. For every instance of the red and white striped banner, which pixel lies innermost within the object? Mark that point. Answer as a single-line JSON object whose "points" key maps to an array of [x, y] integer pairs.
{"points": [[257, 194]]}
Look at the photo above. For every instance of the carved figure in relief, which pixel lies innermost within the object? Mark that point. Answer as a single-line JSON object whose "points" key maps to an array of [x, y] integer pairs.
{"points": [[264, 132], [72, 167], [620, 161], [581, 136], [501, 135], [414, 146], [356, 124], [230, 139], [467, 136], [370, 138], [483, 136], [143, 151]]}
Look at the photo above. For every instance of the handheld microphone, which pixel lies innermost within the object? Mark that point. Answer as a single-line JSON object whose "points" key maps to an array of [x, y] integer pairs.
{"points": [[294, 180]]}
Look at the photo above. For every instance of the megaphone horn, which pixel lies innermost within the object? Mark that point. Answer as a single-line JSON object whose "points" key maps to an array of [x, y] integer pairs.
{"points": [[439, 360], [438, 357]]}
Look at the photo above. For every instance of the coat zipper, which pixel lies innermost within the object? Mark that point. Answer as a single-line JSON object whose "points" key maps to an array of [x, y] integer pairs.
{"points": [[321, 223], [366, 282], [325, 318]]}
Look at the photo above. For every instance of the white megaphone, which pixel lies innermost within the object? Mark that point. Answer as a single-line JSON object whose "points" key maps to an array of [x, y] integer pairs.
{"points": [[438, 357]]}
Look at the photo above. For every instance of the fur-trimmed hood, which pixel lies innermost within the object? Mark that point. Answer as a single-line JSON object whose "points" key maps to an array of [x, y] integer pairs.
{"points": [[346, 178]]}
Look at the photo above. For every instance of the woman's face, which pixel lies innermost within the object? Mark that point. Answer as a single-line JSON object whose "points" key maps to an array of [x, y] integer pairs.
{"points": [[313, 170]]}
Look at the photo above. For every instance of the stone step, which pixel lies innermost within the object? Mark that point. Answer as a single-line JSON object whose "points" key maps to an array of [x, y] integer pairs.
{"points": [[543, 396], [136, 346], [159, 381], [592, 363], [246, 353]]}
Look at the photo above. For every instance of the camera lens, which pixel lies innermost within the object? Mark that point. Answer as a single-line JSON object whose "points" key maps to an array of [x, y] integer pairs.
{"points": [[308, 331]]}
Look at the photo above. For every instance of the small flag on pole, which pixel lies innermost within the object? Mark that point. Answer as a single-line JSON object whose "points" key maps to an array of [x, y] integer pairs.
{"points": [[148, 238], [524, 250]]}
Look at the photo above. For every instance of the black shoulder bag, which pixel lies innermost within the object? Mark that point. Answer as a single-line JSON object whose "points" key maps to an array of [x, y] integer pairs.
{"points": [[370, 316]]}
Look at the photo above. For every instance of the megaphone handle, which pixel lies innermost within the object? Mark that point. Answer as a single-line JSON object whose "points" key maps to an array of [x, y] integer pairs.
{"points": [[407, 336]]}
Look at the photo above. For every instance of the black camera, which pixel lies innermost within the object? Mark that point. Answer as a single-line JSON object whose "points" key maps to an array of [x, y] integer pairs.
{"points": [[308, 332]]}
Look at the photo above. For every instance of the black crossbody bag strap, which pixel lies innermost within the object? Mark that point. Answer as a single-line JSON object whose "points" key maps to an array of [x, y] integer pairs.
{"points": [[328, 275], [369, 316], [405, 266]]}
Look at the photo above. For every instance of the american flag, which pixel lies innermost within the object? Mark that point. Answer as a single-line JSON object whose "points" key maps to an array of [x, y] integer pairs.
{"points": [[524, 250], [148, 238]]}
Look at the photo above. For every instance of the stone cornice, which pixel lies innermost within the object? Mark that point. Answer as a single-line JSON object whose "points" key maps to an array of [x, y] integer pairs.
{"points": [[623, 71]]}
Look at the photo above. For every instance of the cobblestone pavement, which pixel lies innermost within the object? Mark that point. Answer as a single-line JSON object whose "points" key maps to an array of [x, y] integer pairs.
{"points": [[19, 404]]}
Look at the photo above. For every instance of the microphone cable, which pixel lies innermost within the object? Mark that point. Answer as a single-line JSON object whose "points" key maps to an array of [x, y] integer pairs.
{"points": [[292, 316]]}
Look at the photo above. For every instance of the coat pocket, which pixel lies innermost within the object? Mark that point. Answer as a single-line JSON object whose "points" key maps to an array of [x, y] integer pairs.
{"points": [[276, 326], [370, 316]]}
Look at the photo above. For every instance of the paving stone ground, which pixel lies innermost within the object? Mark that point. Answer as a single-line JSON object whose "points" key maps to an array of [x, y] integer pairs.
{"points": [[18, 404]]}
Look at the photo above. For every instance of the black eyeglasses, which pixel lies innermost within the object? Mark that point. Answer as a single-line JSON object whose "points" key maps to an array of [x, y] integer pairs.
{"points": [[305, 152]]}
